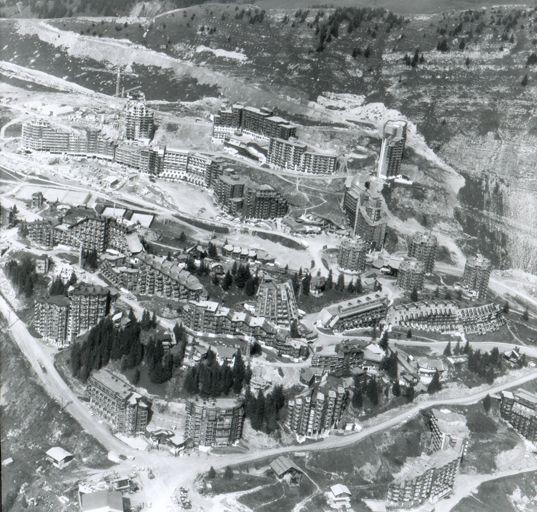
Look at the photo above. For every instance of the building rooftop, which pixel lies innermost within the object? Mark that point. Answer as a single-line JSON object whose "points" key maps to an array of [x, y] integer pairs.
{"points": [[113, 382], [101, 501], [282, 465], [412, 265], [451, 423], [89, 289], [340, 490], [58, 454], [416, 466]]}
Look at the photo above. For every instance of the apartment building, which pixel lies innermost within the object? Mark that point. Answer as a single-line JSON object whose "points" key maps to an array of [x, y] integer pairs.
{"points": [[411, 275], [352, 255], [263, 202], [316, 411], [363, 311], [340, 359], [445, 316], [431, 476], [276, 302], [89, 303], [158, 276], [519, 408], [139, 121], [216, 422], [229, 192], [114, 400], [295, 156], [475, 279], [260, 124], [392, 148], [423, 247], [366, 210], [51, 318]]}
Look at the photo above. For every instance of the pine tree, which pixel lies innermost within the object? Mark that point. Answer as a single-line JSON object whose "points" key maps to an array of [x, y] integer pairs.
{"points": [[410, 393], [487, 403], [372, 392], [228, 473], [447, 350], [409, 334], [228, 281], [211, 474], [238, 372], [458, 349], [435, 384], [467, 348], [294, 332], [358, 287], [249, 287], [525, 315], [396, 388], [383, 343], [306, 284], [357, 398], [414, 295], [329, 281], [191, 381], [211, 251], [340, 282]]}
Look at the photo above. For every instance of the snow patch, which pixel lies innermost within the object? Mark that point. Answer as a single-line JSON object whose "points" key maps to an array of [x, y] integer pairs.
{"points": [[225, 54]]}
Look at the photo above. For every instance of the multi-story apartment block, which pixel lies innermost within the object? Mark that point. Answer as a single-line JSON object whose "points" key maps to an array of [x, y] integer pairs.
{"points": [[42, 232], [41, 136], [446, 316], [229, 192], [366, 211], [175, 165], [317, 411], [365, 310], [158, 276], [423, 247], [277, 302], [260, 124], [286, 154], [117, 403], [520, 410], [139, 121], [89, 304], [476, 275], [391, 151], [216, 422], [339, 359], [295, 156], [37, 200], [431, 476], [352, 254], [51, 318], [411, 275], [263, 202]]}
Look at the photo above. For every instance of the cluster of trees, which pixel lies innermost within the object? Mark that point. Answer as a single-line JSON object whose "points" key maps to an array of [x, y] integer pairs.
{"points": [[371, 389], [105, 342], [485, 364], [22, 275], [458, 350], [242, 278], [89, 259], [415, 59], [329, 27], [59, 288], [209, 378], [264, 411], [390, 365]]}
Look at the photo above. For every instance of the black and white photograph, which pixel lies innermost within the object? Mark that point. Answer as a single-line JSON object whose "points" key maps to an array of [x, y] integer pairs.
{"points": [[268, 256]]}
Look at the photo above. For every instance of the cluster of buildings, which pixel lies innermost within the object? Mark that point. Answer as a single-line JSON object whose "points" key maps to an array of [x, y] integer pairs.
{"points": [[431, 476], [285, 151], [114, 399], [340, 359], [445, 316], [85, 230], [147, 274], [276, 302], [316, 411], [519, 408], [237, 196], [60, 319], [241, 197]]}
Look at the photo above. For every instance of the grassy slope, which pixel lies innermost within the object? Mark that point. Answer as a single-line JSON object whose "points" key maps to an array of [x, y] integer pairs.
{"points": [[31, 424]]}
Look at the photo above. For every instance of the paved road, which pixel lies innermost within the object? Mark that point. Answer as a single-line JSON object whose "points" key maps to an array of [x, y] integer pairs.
{"points": [[176, 471], [54, 385]]}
